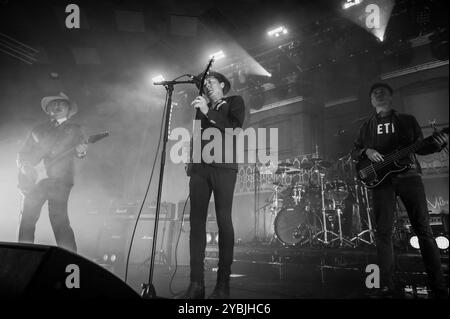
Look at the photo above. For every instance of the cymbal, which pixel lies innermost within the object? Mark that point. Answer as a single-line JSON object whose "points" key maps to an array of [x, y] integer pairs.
{"points": [[278, 184], [306, 165], [325, 164], [287, 170], [321, 162], [285, 165]]}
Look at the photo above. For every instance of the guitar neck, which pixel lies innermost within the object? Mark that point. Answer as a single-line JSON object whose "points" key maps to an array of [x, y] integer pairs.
{"points": [[405, 151]]}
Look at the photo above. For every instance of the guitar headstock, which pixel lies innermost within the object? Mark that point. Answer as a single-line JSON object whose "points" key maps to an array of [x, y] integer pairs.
{"points": [[97, 137]]}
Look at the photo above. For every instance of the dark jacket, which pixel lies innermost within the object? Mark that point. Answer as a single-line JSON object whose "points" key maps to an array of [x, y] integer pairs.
{"points": [[407, 132], [227, 115], [46, 142]]}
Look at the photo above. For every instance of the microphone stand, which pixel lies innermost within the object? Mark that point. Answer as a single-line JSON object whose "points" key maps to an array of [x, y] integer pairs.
{"points": [[256, 221], [148, 290]]}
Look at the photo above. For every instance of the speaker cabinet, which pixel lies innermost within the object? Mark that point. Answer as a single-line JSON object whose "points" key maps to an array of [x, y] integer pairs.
{"points": [[38, 271]]}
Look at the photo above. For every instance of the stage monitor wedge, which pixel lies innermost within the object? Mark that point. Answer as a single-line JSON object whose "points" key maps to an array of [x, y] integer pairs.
{"points": [[37, 271]]}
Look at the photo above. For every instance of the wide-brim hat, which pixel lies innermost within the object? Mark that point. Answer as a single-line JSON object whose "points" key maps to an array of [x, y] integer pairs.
{"points": [[73, 108], [219, 76], [381, 85]]}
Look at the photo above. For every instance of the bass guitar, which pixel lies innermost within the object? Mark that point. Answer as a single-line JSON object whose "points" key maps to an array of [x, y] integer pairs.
{"points": [[371, 174]]}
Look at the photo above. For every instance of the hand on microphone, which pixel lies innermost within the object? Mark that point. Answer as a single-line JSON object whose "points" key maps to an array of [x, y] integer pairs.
{"points": [[194, 79], [200, 103]]}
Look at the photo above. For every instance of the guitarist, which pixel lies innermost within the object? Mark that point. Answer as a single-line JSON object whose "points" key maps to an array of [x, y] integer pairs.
{"points": [[218, 112], [384, 132], [46, 142]]}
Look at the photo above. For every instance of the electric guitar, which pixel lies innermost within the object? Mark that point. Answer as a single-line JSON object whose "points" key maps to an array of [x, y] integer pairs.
{"points": [[371, 174], [195, 130], [27, 181]]}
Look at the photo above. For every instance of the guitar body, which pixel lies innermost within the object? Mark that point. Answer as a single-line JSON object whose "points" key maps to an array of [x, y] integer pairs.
{"points": [[372, 176], [27, 182]]}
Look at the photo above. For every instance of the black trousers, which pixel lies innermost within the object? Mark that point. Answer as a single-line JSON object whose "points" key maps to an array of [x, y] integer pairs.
{"points": [[206, 179], [411, 191], [57, 193]]}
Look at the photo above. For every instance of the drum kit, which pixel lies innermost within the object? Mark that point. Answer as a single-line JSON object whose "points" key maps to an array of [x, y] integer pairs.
{"points": [[320, 210]]}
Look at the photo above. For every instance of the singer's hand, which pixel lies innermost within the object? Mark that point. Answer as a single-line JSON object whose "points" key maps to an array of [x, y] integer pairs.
{"points": [[200, 103]]}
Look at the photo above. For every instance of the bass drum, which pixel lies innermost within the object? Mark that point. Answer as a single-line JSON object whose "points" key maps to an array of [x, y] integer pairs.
{"points": [[293, 225]]}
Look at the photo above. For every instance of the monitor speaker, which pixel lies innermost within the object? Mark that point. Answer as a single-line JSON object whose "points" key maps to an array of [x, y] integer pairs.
{"points": [[37, 271]]}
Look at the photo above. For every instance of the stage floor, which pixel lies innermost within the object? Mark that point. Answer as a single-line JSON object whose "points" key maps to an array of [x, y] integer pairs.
{"points": [[266, 272]]}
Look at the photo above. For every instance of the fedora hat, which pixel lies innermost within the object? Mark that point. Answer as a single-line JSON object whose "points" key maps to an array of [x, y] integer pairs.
{"points": [[381, 85], [73, 108], [219, 76]]}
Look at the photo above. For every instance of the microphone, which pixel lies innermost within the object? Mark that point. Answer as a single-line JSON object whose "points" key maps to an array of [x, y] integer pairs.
{"points": [[194, 78]]}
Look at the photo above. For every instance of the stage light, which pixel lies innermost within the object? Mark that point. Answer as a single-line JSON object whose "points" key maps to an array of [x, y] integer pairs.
{"points": [[219, 55], [208, 238], [351, 3], [216, 238], [105, 257], [277, 31], [442, 242], [113, 258], [414, 242], [372, 16], [158, 78]]}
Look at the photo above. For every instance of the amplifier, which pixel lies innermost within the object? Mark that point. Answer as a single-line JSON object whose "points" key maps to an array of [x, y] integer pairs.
{"points": [[435, 220], [187, 210], [131, 209], [114, 237]]}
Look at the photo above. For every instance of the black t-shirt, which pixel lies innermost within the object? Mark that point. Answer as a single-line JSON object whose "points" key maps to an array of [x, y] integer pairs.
{"points": [[386, 141], [385, 134]]}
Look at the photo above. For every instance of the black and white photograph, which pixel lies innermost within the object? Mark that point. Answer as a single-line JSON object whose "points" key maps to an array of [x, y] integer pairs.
{"points": [[250, 151]]}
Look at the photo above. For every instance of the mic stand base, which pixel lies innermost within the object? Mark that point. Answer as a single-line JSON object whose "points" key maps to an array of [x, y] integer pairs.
{"points": [[148, 291]]}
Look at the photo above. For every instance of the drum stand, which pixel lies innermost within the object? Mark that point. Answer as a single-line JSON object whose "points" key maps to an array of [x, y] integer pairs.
{"points": [[325, 231], [342, 241], [359, 237]]}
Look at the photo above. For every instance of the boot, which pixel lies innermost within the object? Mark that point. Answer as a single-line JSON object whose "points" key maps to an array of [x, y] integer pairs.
{"points": [[222, 288], [196, 290]]}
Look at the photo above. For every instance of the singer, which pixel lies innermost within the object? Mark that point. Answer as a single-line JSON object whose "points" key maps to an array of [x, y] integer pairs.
{"points": [[219, 177]]}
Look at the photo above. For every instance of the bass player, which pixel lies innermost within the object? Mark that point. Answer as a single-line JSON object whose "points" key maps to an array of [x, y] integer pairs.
{"points": [[384, 132]]}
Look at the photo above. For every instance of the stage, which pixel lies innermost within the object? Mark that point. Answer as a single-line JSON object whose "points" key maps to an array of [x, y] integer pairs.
{"points": [[272, 272]]}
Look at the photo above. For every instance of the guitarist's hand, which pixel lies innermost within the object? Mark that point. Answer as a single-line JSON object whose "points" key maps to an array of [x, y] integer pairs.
{"points": [[374, 156], [441, 140], [28, 170], [81, 150]]}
